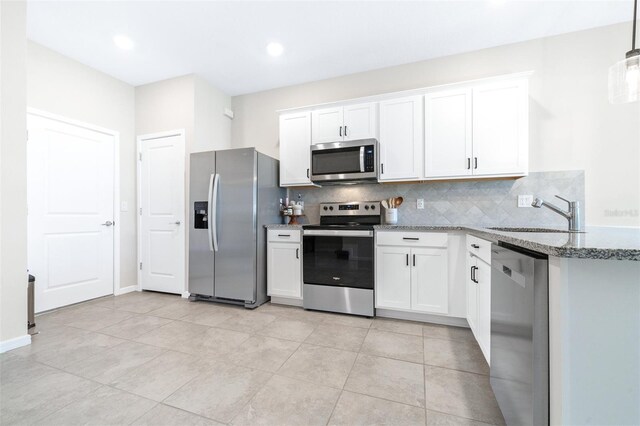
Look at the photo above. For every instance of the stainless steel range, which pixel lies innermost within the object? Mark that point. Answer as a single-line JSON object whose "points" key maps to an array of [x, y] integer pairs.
{"points": [[338, 268]]}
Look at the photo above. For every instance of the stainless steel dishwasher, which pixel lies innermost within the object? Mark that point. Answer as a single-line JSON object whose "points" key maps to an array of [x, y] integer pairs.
{"points": [[520, 334]]}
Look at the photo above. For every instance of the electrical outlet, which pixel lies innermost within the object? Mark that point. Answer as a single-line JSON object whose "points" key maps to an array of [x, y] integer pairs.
{"points": [[420, 203], [525, 200]]}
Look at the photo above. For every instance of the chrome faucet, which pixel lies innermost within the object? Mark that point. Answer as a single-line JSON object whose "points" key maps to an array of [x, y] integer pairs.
{"points": [[574, 215]]}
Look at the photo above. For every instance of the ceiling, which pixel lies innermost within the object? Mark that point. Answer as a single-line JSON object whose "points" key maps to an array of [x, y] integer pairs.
{"points": [[224, 41]]}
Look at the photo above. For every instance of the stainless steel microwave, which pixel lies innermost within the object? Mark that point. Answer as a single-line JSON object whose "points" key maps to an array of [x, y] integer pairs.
{"points": [[342, 162]]}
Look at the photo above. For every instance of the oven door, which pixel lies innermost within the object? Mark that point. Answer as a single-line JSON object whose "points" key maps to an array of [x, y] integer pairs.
{"points": [[338, 161], [338, 258]]}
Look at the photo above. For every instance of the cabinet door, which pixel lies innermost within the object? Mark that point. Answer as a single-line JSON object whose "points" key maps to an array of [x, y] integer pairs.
{"points": [[429, 280], [393, 278], [401, 139], [283, 270], [448, 133], [472, 295], [326, 125], [360, 122], [500, 128], [483, 276], [295, 149]]}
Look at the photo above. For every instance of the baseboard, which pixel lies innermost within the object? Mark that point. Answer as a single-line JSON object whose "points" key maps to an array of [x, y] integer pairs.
{"points": [[415, 316], [286, 301], [14, 343], [125, 290]]}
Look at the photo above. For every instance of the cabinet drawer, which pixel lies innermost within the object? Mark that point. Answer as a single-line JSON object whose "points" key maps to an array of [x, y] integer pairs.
{"points": [[412, 239], [479, 247], [283, 235]]}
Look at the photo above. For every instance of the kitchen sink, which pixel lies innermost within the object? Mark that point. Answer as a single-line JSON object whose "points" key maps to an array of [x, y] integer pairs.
{"points": [[515, 229]]}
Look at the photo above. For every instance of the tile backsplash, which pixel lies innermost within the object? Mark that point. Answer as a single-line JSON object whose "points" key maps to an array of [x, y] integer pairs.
{"points": [[480, 203]]}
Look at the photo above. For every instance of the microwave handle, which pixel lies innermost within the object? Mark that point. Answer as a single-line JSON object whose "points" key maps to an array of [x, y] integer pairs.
{"points": [[362, 159]]}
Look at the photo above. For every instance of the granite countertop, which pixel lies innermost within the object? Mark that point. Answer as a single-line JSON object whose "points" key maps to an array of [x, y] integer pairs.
{"points": [[282, 226], [595, 243]]}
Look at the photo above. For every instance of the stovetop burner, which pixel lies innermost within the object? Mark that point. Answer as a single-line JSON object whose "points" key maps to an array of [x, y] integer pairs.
{"points": [[353, 226], [356, 215]]}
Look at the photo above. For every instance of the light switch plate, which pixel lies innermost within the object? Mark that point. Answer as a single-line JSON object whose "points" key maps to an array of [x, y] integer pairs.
{"points": [[124, 206], [420, 203], [525, 200]]}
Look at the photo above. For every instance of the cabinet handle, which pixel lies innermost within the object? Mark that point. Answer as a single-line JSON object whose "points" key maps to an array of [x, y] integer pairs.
{"points": [[411, 238], [307, 173], [475, 246], [381, 168], [284, 235], [469, 163], [473, 274], [407, 259], [297, 253], [414, 260], [340, 130], [475, 162], [345, 131]]}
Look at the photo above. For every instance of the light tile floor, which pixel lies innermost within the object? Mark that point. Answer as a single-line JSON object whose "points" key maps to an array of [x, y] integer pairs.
{"points": [[149, 358]]}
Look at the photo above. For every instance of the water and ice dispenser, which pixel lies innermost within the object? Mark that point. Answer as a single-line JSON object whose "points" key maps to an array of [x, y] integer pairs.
{"points": [[201, 219]]}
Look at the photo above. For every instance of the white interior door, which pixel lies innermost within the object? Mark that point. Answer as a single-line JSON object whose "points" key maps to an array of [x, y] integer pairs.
{"points": [[70, 195], [162, 207]]}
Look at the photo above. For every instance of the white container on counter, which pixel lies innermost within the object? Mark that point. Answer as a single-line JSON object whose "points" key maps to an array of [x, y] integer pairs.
{"points": [[391, 216]]}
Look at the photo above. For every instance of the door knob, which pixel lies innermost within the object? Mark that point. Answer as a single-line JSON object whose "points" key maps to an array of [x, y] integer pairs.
{"points": [[107, 223]]}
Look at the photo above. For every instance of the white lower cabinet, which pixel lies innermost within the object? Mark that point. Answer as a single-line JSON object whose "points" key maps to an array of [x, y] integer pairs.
{"points": [[284, 267], [393, 273], [479, 295], [429, 280], [411, 278]]}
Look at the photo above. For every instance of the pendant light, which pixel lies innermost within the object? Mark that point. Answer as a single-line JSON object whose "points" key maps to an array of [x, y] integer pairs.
{"points": [[624, 76]]}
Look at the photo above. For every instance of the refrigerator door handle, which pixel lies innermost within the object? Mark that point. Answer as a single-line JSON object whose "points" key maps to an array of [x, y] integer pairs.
{"points": [[209, 211], [214, 211]]}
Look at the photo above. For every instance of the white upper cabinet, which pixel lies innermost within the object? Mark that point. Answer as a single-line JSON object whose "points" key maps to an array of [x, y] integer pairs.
{"points": [[360, 122], [346, 123], [327, 125], [448, 148], [401, 139], [472, 129], [479, 130], [295, 152], [500, 128]]}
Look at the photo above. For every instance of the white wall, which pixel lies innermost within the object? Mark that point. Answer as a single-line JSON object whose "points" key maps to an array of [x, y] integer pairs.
{"points": [[13, 176], [63, 86], [572, 127], [212, 127]]}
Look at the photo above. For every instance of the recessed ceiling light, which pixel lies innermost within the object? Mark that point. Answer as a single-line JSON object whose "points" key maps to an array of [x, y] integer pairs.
{"points": [[275, 49], [123, 42]]}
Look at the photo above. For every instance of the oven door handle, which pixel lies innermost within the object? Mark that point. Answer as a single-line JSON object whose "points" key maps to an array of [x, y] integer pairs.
{"points": [[335, 233], [362, 159]]}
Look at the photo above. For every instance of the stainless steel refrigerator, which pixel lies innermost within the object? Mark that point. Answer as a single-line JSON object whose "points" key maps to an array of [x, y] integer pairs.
{"points": [[233, 194]]}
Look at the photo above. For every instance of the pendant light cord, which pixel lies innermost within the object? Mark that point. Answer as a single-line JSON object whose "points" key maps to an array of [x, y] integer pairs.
{"points": [[635, 15]]}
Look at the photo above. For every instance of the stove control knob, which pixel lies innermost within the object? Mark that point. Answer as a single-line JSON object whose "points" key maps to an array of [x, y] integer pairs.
{"points": [[366, 207], [325, 208], [373, 207], [330, 207]]}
